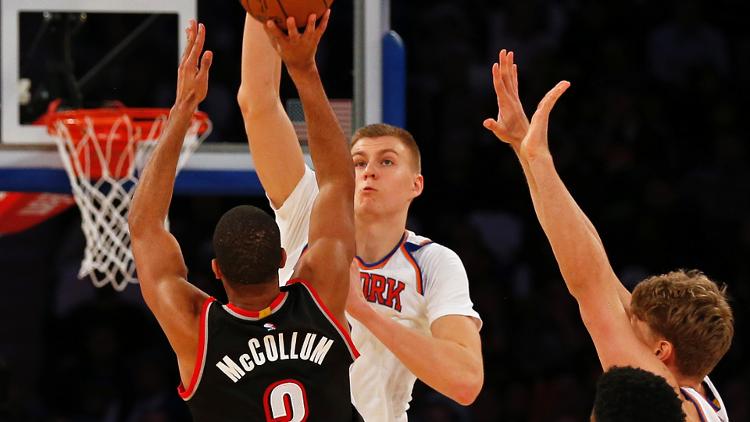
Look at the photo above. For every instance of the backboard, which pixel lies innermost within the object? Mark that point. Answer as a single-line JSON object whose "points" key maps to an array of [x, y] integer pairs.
{"points": [[47, 21], [123, 48]]}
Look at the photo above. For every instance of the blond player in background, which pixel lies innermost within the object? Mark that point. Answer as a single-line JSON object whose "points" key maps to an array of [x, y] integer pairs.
{"points": [[420, 321], [676, 325]]}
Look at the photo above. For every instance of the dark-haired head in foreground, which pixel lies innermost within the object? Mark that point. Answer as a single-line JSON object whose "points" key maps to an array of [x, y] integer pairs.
{"points": [[627, 394], [247, 246]]}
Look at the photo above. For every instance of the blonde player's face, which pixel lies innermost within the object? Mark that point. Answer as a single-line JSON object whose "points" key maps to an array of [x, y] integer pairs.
{"points": [[386, 177]]}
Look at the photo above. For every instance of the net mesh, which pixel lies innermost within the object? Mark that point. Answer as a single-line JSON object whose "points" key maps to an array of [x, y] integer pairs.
{"points": [[103, 157]]}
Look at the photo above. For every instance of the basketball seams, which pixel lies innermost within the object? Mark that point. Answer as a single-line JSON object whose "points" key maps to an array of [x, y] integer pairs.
{"points": [[281, 7]]}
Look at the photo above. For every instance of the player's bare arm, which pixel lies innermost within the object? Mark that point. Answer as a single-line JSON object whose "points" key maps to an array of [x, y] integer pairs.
{"points": [[512, 125], [572, 240], [449, 361], [331, 237], [274, 146], [161, 268]]}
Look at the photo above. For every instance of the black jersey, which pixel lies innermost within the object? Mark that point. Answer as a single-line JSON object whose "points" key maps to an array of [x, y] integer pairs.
{"points": [[289, 362]]}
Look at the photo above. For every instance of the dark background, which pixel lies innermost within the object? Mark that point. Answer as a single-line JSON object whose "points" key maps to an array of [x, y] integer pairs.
{"points": [[650, 138]]}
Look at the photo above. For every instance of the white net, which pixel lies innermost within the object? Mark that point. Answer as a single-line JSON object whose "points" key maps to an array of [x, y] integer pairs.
{"points": [[103, 170]]}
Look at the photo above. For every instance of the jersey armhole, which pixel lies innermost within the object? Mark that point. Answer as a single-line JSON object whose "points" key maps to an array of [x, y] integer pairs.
{"points": [[187, 393], [698, 408], [331, 318]]}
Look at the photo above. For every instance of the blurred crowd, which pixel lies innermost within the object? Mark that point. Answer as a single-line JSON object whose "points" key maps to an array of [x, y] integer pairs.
{"points": [[649, 139]]}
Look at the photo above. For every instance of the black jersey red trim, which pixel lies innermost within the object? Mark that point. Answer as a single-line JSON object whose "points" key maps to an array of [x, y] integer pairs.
{"points": [[339, 327], [200, 358], [276, 303]]}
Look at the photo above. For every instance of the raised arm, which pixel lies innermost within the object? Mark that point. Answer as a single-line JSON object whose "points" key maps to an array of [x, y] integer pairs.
{"points": [[331, 237], [161, 268], [579, 252], [274, 146], [568, 232], [511, 127]]}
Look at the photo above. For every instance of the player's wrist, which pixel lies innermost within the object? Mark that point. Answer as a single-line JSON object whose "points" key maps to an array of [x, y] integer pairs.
{"points": [[181, 112], [303, 71], [370, 317]]}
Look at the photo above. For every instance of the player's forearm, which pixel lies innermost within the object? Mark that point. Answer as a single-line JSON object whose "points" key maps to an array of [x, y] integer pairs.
{"points": [[154, 192], [448, 367], [579, 252], [623, 293], [329, 148]]}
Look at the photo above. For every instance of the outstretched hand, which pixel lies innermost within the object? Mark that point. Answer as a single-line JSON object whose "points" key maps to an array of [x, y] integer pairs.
{"points": [[296, 49], [534, 144], [511, 124], [192, 75]]}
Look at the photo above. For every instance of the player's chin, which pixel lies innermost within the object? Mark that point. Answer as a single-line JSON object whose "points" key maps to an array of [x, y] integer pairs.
{"points": [[362, 196], [366, 204]]}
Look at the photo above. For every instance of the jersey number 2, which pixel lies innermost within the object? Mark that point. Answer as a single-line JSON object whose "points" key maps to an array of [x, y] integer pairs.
{"points": [[285, 401]]}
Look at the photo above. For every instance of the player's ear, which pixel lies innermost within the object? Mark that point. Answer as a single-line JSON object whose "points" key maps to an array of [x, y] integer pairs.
{"points": [[216, 269], [664, 351], [418, 185], [283, 258]]}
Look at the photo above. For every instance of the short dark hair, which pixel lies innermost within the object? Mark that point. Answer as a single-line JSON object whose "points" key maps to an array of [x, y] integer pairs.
{"points": [[626, 394], [377, 130], [247, 244]]}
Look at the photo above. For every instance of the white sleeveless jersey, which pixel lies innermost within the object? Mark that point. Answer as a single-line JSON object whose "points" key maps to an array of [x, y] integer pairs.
{"points": [[416, 283], [709, 411]]}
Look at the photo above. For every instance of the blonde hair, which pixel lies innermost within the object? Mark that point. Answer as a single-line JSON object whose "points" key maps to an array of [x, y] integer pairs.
{"points": [[690, 311], [382, 129]]}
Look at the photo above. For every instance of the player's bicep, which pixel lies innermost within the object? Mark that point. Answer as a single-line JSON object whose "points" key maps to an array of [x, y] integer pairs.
{"points": [[162, 276], [330, 244], [612, 333], [459, 329], [157, 255], [276, 153]]}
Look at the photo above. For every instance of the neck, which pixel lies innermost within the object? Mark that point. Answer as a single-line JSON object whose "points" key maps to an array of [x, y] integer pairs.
{"points": [[696, 383], [253, 297], [376, 235]]}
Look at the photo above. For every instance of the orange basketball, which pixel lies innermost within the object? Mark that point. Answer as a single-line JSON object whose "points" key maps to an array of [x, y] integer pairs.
{"points": [[280, 10]]}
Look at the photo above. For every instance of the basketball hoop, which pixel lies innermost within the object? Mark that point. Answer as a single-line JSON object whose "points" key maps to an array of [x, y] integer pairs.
{"points": [[103, 152]]}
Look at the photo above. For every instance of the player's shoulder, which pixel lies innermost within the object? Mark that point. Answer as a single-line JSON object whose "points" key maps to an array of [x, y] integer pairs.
{"points": [[423, 249]]}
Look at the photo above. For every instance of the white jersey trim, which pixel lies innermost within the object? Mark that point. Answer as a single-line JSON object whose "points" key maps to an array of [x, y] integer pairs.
{"points": [[707, 411]]}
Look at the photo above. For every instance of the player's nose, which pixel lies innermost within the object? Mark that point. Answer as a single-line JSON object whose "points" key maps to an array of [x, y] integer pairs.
{"points": [[370, 171]]}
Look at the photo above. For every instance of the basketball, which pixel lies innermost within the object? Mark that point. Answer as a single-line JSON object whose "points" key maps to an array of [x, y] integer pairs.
{"points": [[280, 10]]}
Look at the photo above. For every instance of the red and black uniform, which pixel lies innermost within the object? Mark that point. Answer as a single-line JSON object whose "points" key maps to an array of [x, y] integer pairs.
{"points": [[289, 362]]}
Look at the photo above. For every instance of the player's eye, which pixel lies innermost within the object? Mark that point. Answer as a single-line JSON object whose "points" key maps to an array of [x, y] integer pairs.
{"points": [[359, 163], [387, 162]]}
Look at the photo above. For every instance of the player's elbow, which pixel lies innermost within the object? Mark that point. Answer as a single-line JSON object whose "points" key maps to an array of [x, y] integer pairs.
{"points": [[135, 225], [253, 105], [467, 389], [244, 99], [138, 226]]}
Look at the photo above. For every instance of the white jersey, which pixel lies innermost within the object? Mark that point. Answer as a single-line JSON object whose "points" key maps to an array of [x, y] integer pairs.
{"points": [[416, 283], [709, 411]]}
